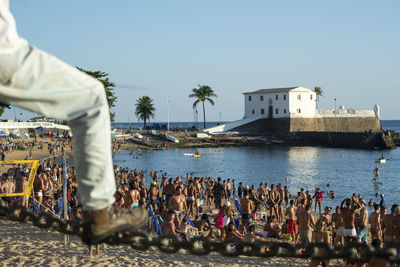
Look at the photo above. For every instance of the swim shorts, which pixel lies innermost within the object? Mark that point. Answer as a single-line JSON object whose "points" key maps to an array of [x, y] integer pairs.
{"points": [[349, 232], [291, 226]]}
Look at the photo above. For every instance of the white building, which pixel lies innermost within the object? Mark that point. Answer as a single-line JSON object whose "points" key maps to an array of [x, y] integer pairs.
{"points": [[291, 102]]}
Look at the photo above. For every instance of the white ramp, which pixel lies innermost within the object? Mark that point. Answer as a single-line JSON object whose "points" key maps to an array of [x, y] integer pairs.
{"points": [[232, 125]]}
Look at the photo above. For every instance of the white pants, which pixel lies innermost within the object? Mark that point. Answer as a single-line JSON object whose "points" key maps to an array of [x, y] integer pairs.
{"points": [[34, 80]]}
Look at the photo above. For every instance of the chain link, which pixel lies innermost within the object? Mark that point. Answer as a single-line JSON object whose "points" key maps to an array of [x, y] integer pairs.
{"points": [[353, 252]]}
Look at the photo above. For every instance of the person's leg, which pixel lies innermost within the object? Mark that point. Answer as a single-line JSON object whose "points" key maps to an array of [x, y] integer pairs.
{"points": [[37, 81], [43, 84]]}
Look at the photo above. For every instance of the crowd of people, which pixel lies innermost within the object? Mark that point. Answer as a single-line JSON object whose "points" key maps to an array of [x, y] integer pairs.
{"points": [[216, 208]]}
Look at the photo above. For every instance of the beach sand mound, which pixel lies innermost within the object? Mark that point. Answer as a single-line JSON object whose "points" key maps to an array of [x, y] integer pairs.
{"points": [[26, 245]]}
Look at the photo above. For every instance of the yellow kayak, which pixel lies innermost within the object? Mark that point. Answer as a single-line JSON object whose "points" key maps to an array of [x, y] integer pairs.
{"points": [[196, 155]]}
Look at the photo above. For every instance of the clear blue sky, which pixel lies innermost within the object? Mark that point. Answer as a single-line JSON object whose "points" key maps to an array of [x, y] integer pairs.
{"points": [[165, 48]]}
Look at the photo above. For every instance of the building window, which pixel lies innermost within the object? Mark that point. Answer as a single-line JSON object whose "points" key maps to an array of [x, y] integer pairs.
{"points": [[298, 110], [284, 97], [249, 97], [310, 97], [276, 97], [252, 111], [262, 111], [284, 110], [276, 111], [298, 97], [261, 98]]}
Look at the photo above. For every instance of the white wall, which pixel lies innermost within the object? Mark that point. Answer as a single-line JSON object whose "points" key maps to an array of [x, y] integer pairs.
{"points": [[307, 103], [256, 104], [327, 113]]}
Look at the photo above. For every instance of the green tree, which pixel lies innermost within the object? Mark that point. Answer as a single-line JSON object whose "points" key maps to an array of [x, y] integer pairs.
{"points": [[203, 94], [318, 91], [3, 107], [144, 109], [108, 86]]}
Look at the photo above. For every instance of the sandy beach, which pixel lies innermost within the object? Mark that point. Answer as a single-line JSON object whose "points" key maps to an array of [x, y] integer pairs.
{"points": [[26, 245]]}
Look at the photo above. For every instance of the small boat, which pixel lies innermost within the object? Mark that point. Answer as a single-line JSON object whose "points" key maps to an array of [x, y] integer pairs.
{"points": [[196, 155], [380, 160], [138, 136], [188, 154], [172, 139]]}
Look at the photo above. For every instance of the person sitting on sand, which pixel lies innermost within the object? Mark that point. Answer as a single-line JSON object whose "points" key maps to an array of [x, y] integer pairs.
{"points": [[232, 232], [168, 227], [204, 226], [272, 229], [251, 237], [184, 227]]}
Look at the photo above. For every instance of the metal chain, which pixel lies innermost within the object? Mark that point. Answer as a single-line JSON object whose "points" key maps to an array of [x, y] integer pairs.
{"points": [[353, 252]]}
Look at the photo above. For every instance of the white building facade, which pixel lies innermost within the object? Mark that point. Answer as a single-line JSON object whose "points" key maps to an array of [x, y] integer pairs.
{"points": [[290, 102]]}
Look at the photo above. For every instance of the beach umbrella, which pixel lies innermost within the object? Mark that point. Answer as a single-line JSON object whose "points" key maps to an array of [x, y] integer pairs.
{"points": [[2, 133], [41, 128]]}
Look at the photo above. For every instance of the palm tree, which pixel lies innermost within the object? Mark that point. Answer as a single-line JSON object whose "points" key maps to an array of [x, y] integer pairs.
{"points": [[318, 91], [203, 93], [144, 109]]}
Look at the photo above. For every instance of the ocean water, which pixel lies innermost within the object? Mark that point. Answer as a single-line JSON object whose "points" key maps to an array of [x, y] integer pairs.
{"points": [[386, 124], [347, 171]]}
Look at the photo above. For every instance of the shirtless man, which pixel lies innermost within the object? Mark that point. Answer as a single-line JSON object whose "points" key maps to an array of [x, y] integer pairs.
{"points": [[280, 202], [199, 194], [397, 225], [291, 214], [143, 194], [273, 201], [210, 196], [191, 197], [169, 189], [177, 203], [24, 200], [306, 223], [349, 208], [168, 227], [228, 189], [234, 188], [153, 195], [362, 231], [162, 186], [338, 227], [132, 196], [389, 225], [8, 188], [247, 207], [287, 195], [375, 222], [261, 192], [322, 227], [309, 198], [38, 185]]}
